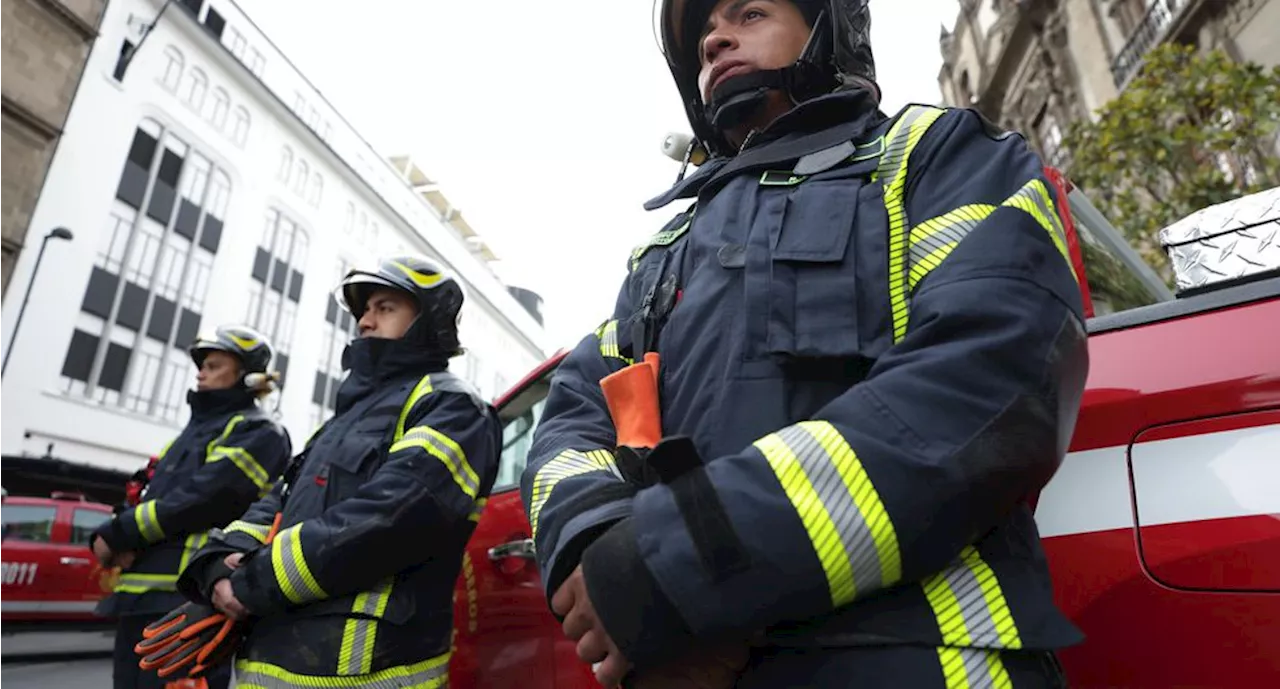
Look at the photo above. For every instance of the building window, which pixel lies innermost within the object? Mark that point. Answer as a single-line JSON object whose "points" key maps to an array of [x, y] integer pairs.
{"points": [[277, 282], [194, 88], [301, 173], [237, 44], [339, 329], [257, 63], [172, 68], [1050, 136], [146, 291], [286, 164], [316, 190], [214, 23], [240, 134], [218, 113]]}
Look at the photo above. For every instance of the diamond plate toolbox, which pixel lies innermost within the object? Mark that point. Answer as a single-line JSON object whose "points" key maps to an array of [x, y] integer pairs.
{"points": [[1226, 241]]}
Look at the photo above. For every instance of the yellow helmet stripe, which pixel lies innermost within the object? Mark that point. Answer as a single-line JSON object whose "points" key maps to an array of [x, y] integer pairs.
{"points": [[243, 342], [419, 279]]}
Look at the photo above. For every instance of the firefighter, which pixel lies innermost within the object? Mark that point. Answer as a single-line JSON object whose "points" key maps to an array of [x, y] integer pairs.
{"points": [[227, 456], [355, 587], [868, 352]]}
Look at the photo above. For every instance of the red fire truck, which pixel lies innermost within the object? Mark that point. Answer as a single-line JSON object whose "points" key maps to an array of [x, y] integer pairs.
{"points": [[1162, 527], [50, 575]]}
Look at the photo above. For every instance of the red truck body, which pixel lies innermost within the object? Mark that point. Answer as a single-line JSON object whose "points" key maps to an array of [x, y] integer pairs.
{"points": [[50, 575], [1162, 527]]}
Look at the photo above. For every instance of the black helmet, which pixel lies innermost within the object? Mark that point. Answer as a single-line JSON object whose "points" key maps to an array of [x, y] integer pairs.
{"points": [[248, 345], [438, 294], [837, 57]]}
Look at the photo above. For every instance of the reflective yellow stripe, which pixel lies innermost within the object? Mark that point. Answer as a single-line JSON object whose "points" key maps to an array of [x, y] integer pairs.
{"points": [[479, 509], [930, 242], [360, 632], [432, 673], [566, 465], [193, 543], [165, 450], [608, 336], [933, 240], [141, 583], [226, 433], [422, 389], [847, 524], [892, 173], [1034, 199], [144, 516], [443, 448], [973, 668], [246, 463], [970, 606], [257, 531], [292, 574]]}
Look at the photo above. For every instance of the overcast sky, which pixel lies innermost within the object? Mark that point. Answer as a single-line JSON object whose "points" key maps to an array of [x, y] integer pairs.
{"points": [[541, 120]]}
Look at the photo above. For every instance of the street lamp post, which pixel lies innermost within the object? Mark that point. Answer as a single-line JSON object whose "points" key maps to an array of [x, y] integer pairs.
{"points": [[55, 233]]}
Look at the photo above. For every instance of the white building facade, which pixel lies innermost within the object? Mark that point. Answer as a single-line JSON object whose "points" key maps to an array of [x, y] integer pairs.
{"points": [[208, 182]]}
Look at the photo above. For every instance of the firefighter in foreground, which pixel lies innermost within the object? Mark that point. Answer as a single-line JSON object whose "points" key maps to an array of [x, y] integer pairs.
{"points": [[355, 587], [869, 348], [226, 457]]}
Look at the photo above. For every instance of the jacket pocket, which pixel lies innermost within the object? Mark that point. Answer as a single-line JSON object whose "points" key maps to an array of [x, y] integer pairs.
{"points": [[351, 466], [813, 283]]}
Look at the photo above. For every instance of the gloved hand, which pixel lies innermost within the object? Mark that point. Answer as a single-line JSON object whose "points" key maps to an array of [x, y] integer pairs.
{"points": [[191, 635], [716, 667]]}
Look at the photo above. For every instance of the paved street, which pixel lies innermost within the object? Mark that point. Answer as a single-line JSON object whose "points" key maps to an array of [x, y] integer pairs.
{"points": [[74, 674]]}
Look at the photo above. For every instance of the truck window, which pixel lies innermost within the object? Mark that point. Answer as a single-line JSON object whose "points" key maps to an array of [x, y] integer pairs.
{"points": [[83, 524], [29, 523], [1119, 278], [517, 436]]}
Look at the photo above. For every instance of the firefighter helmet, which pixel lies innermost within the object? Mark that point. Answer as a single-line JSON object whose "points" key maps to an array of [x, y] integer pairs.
{"points": [[836, 57], [248, 345], [438, 295]]}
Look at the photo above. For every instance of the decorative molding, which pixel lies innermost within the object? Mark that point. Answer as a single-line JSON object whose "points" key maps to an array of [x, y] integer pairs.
{"points": [[12, 108]]}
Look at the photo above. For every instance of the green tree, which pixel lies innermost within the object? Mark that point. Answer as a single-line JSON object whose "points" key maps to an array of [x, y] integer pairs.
{"points": [[1190, 130]]}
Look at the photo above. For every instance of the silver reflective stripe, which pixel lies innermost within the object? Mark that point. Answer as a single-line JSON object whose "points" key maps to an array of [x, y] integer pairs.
{"points": [[457, 464], [48, 606], [973, 668], [429, 674], [851, 527], [356, 655]]}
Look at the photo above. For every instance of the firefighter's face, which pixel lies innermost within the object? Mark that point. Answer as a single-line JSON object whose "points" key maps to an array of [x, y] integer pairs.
{"points": [[744, 36], [220, 371], [388, 313]]}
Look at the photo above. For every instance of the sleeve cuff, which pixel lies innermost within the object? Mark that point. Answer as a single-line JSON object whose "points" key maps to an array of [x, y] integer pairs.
{"points": [[261, 597], [639, 617], [206, 569], [114, 534]]}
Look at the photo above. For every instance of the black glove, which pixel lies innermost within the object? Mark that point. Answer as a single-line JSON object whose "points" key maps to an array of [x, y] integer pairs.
{"points": [[674, 456]]}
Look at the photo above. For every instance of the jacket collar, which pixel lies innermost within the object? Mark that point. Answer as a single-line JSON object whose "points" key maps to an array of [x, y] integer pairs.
{"points": [[374, 361], [207, 404], [811, 126]]}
